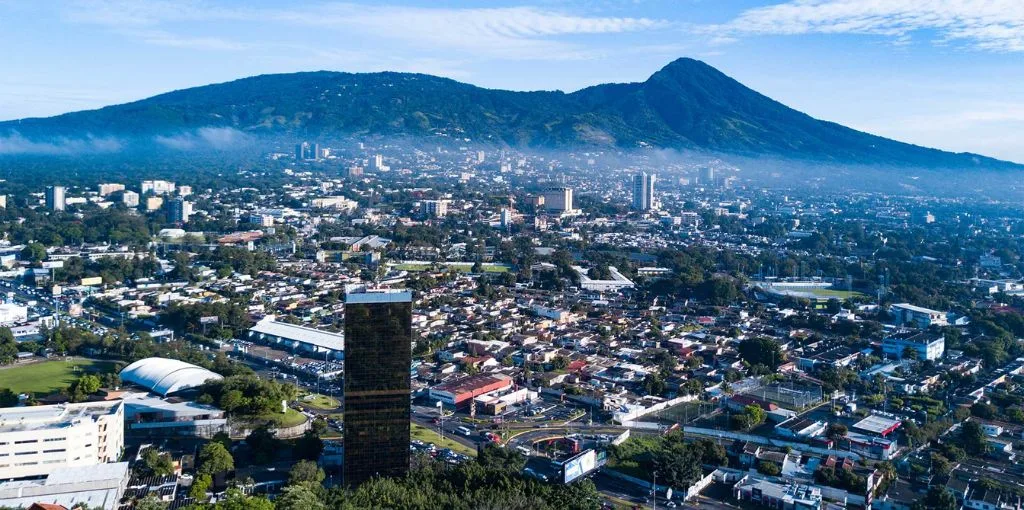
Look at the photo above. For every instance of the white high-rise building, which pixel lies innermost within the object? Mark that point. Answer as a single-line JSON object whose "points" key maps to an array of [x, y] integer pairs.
{"points": [[55, 198], [36, 440], [558, 199], [158, 187], [106, 189], [436, 208], [130, 199], [377, 164], [643, 192]]}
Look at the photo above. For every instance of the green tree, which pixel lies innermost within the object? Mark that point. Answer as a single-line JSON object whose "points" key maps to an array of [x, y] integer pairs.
{"points": [[160, 464], [299, 497], [263, 444], [972, 439], [214, 458], [769, 468], [200, 486], [237, 500], [308, 446], [306, 472], [150, 502], [937, 498], [8, 398], [33, 252], [762, 351]]}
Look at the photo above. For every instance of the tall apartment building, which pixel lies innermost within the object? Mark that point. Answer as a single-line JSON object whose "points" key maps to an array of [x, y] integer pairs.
{"points": [[558, 199], [178, 210], [707, 176], [130, 199], [107, 189], [306, 151], [436, 208], [36, 440], [378, 353], [157, 187], [643, 192], [55, 198]]}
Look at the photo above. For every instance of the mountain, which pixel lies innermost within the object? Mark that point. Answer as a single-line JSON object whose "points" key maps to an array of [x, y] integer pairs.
{"points": [[685, 105]]}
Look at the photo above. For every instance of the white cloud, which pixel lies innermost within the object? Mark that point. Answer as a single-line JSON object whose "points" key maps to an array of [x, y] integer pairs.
{"points": [[993, 25], [15, 143], [508, 32], [207, 137]]}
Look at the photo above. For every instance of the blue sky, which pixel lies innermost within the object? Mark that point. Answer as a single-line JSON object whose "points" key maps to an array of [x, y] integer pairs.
{"points": [[942, 73]]}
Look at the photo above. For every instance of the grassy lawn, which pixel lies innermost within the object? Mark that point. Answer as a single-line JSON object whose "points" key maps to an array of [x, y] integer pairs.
{"points": [[321, 402], [430, 436], [288, 419], [48, 377], [838, 294]]}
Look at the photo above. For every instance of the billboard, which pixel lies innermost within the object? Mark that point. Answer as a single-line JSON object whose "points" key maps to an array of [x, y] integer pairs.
{"points": [[210, 319], [95, 280], [579, 465], [53, 264]]}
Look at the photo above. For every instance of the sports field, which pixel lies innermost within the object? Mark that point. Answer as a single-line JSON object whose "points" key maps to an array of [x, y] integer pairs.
{"points": [[462, 267], [46, 377]]}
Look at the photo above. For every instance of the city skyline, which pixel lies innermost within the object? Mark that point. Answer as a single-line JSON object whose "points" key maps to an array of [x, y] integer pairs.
{"points": [[939, 74]]}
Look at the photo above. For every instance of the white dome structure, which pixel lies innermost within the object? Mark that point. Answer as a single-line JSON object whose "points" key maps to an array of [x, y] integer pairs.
{"points": [[165, 376]]}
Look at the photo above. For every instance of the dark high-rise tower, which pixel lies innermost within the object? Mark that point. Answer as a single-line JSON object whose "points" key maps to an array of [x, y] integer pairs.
{"points": [[378, 353]]}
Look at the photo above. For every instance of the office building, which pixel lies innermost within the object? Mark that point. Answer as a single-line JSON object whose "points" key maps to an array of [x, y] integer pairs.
{"points": [[337, 202], [927, 346], [436, 208], [908, 314], [107, 189], [306, 151], [643, 192], [178, 210], [480, 156], [55, 198], [96, 487], [157, 187], [378, 354], [37, 440], [130, 199], [558, 199], [314, 343], [377, 164], [707, 176]]}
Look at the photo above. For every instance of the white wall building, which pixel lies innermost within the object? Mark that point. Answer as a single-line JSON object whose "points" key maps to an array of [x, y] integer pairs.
{"points": [[558, 199], [617, 282], [158, 187], [906, 313], [436, 208], [928, 346], [37, 440], [643, 192], [11, 313]]}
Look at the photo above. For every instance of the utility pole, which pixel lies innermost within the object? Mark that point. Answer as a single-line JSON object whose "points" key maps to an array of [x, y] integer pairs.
{"points": [[654, 490]]}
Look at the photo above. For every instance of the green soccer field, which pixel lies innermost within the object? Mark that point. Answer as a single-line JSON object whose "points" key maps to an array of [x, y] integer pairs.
{"points": [[48, 377]]}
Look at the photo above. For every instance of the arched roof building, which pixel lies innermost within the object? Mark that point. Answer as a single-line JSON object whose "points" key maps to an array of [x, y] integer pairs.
{"points": [[165, 376]]}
